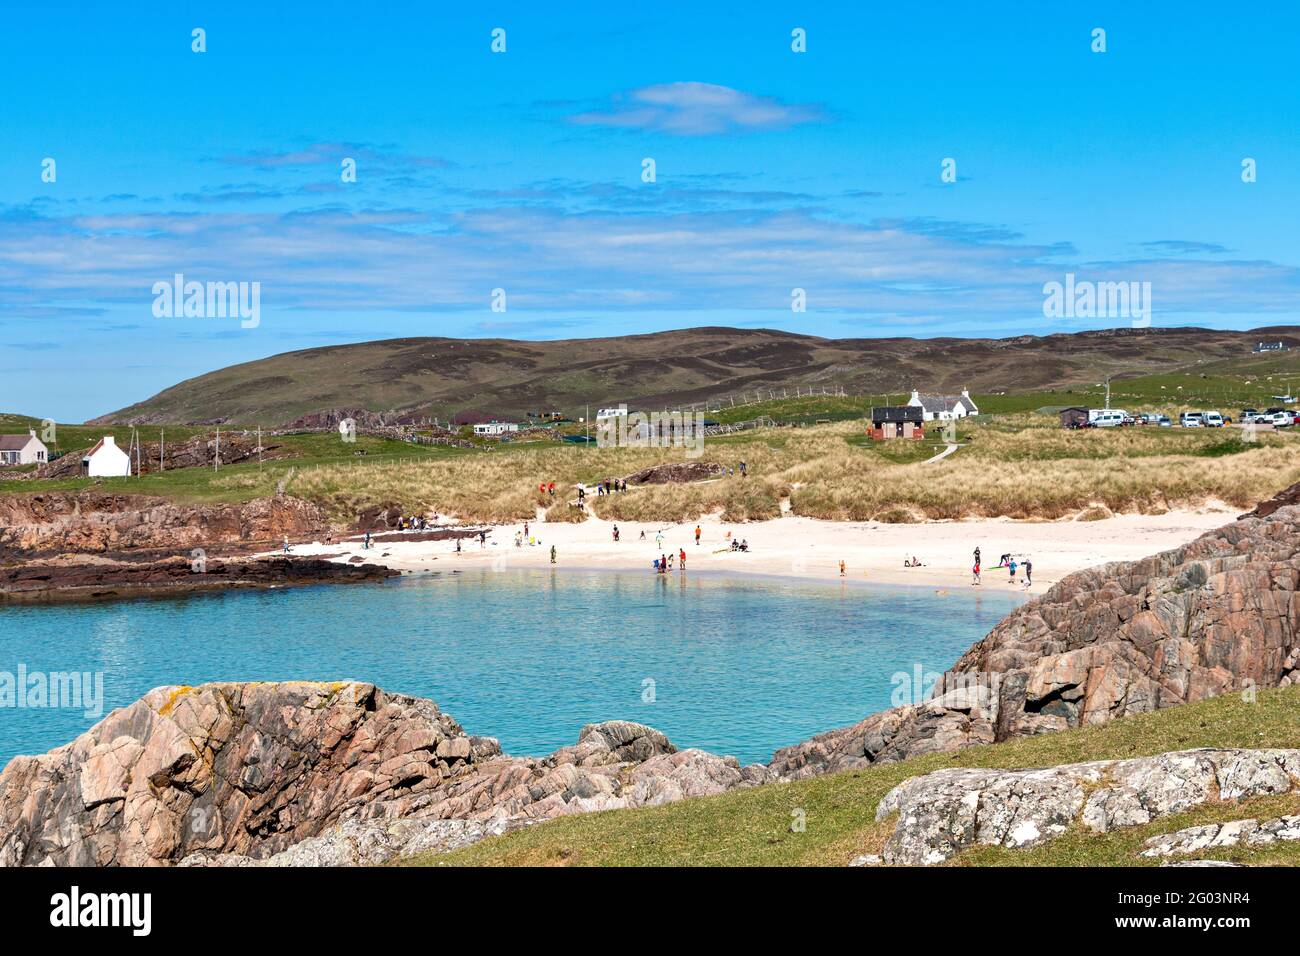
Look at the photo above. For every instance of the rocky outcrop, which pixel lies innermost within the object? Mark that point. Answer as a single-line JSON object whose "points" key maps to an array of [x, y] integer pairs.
{"points": [[676, 472], [1215, 835], [97, 522], [1219, 614], [105, 579], [250, 770], [942, 813]]}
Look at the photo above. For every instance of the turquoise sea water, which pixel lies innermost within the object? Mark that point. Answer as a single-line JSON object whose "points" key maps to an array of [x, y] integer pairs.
{"points": [[734, 666]]}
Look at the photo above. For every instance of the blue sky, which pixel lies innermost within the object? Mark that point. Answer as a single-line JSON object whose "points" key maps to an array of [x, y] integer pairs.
{"points": [[522, 171]]}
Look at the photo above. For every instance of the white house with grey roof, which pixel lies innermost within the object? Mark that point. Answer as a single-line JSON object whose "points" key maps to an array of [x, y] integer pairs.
{"points": [[943, 408], [23, 449]]}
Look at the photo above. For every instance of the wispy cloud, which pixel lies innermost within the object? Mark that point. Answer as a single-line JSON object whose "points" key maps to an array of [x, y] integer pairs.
{"points": [[1183, 247], [318, 154], [698, 109], [404, 260]]}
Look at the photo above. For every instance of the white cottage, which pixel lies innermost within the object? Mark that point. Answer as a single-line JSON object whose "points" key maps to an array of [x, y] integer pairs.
{"points": [[943, 408], [23, 449], [106, 460], [495, 428]]}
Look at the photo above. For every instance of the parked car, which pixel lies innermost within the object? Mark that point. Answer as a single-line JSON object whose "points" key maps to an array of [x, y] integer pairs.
{"points": [[1282, 419], [1212, 420], [1189, 419], [1248, 415], [1081, 424], [1164, 422]]}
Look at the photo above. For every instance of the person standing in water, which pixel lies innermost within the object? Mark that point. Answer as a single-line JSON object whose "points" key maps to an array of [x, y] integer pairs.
{"points": [[682, 555], [841, 567], [552, 554]]}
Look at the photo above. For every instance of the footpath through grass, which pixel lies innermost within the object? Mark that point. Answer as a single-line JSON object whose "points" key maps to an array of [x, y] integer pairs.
{"points": [[753, 827]]}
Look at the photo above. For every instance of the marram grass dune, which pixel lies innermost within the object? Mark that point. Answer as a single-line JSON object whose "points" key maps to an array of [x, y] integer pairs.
{"points": [[1015, 469]]}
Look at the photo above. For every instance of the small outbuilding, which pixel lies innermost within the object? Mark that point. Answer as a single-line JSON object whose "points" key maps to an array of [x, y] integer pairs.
{"points": [[106, 460], [1074, 416], [23, 449], [896, 421]]}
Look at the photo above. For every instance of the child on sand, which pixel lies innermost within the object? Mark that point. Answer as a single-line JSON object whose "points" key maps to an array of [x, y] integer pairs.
{"points": [[1012, 567], [975, 574], [616, 534]]}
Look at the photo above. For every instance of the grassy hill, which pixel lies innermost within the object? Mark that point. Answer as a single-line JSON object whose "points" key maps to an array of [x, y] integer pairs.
{"points": [[752, 827], [440, 376]]}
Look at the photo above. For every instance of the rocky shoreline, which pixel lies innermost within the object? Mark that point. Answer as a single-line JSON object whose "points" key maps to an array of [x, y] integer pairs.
{"points": [[103, 580], [61, 546]]}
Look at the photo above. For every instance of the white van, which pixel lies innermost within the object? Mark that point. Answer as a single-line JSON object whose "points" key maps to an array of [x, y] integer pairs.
{"points": [[1108, 418], [1094, 414], [1190, 419], [1212, 420]]}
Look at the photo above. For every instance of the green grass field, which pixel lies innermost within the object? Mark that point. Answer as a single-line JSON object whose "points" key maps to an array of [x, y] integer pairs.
{"points": [[753, 827]]}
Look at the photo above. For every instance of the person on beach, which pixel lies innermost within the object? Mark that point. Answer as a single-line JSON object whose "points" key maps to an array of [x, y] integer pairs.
{"points": [[482, 539], [552, 554], [975, 574], [697, 536], [682, 556], [841, 567], [1029, 573], [458, 545], [525, 529], [616, 534], [365, 545], [656, 565], [643, 534], [286, 544], [1012, 568], [659, 540]]}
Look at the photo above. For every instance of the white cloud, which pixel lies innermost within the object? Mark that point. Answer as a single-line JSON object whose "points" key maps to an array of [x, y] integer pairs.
{"points": [[698, 109]]}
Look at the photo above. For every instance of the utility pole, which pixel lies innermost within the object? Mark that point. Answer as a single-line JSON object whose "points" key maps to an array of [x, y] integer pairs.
{"points": [[216, 458], [162, 449], [259, 447]]}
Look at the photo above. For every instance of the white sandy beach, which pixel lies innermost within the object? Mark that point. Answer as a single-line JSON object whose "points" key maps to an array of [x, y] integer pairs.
{"points": [[809, 548]]}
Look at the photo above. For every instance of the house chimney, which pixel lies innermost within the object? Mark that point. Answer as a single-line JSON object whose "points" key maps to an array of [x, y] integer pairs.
{"points": [[965, 393], [32, 432], [110, 440]]}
